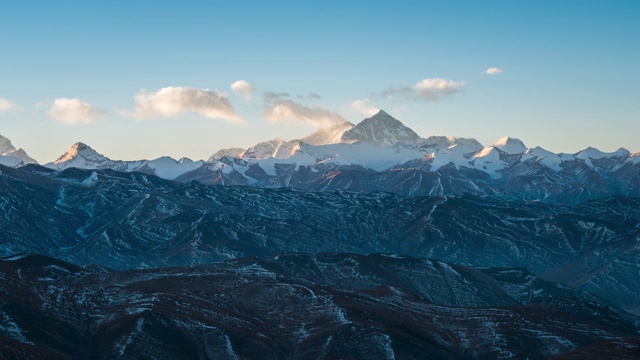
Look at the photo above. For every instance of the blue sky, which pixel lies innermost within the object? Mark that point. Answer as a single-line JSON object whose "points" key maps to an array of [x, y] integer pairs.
{"points": [[570, 75]]}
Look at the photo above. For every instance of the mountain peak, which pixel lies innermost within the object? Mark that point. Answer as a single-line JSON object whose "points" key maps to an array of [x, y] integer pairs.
{"points": [[81, 151], [381, 129], [6, 145], [7, 149], [510, 145], [594, 153], [80, 146], [506, 140], [381, 113]]}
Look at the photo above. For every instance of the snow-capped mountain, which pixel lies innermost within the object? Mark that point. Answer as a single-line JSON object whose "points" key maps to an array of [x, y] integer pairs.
{"points": [[231, 152], [83, 156], [10, 156], [381, 154], [388, 157], [281, 149], [381, 129], [276, 148]]}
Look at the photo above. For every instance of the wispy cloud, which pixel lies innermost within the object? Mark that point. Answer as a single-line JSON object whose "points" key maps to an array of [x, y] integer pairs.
{"points": [[175, 101], [271, 96], [431, 89], [6, 105], [279, 107], [493, 71], [243, 88], [73, 111], [363, 106], [310, 96]]}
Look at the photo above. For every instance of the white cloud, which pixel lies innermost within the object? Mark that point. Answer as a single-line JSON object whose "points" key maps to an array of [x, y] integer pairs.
{"points": [[431, 89], [175, 101], [493, 71], [289, 110], [73, 111], [6, 105], [363, 106], [243, 88]]}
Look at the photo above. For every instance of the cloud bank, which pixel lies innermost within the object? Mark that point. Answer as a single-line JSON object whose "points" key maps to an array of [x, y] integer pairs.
{"points": [[279, 107], [243, 88], [175, 101], [73, 111], [6, 105], [493, 71], [430, 89], [363, 106]]}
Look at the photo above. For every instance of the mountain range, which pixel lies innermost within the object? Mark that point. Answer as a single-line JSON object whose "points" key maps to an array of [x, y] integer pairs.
{"points": [[381, 154], [358, 241], [136, 220]]}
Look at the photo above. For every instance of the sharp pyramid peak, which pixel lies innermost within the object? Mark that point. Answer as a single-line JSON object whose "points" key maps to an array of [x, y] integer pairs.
{"points": [[381, 129], [381, 113], [80, 149], [80, 145]]}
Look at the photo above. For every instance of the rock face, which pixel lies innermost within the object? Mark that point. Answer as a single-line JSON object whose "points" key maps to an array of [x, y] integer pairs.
{"points": [[300, 306]]}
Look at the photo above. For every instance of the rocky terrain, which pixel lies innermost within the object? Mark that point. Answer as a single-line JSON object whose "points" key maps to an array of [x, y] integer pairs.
{"points": [[294, 306], [134, 220]]}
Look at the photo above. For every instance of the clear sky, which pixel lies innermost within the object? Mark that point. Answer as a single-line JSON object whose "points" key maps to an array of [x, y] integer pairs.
{"points": [[140, 79]]}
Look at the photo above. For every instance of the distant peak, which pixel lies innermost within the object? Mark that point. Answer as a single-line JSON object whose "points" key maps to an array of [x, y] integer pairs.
{"points": [[7, 149], [384, 117], [510, 145], [5, 145], [507, 140], [381, 129], [80, 146], [594, 153], [80, 149]]}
